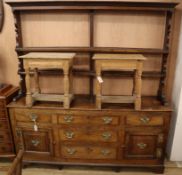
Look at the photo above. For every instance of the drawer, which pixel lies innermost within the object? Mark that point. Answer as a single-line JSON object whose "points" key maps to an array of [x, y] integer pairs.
{"points": [[4, 136], [88, 135], [101, 120], [90, 152], [152, 119], [2, 103], [2, 114], [3, 125], [6, 148], [72, 119], [30, 116]]}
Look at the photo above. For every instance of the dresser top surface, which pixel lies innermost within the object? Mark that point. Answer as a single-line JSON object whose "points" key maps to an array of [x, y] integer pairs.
{"points": [[118, 57], [147, 1], [46, 55], [83, 102]]}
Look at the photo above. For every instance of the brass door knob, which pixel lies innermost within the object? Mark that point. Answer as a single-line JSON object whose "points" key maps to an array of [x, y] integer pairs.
{"points": [[33, 117], [35, 142], [142, 145]]}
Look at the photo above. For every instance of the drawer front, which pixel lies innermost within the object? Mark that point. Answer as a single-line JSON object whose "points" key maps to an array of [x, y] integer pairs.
{"points": [[84, 135], [2, 103], [6, 148], [31, 116], [90, 152], [72, 119], [2, 114], [4, 136], [152, 119], [3, 124], [101, 120], [146, 145]]}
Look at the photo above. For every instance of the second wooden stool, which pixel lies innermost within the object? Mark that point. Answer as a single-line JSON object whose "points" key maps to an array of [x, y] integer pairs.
{"points": [[124, 62], [36, 61]]}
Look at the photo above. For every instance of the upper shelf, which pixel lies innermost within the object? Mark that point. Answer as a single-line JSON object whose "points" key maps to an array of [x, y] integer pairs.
{"points": [[93, 50], [92, 4]]}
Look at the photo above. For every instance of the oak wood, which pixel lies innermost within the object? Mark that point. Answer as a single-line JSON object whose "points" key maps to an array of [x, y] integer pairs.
{"points": [[16, 167], [106, 62], [83, 138], [154, 118], [1, 15], [42, 60]]}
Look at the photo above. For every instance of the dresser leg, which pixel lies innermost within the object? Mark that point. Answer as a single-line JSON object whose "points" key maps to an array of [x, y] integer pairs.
{"points": [[117, 169], [158, 170], [25, 165], [60, 167]]}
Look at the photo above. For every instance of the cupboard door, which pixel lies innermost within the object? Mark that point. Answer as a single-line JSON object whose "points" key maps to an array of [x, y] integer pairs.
{"points": [[35, 141], [143, 145]]}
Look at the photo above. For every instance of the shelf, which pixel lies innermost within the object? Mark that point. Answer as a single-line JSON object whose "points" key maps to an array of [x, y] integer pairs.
{"points": [[90, 5], [84, 102], [146, 74], [93, 50]]}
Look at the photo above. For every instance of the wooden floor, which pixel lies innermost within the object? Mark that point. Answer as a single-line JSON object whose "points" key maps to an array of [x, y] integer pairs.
{"points": [[171, 169]]}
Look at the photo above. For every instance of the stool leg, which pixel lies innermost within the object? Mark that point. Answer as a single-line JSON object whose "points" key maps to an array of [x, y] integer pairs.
{"points": [[98, 88], [138, 85], [28, 88], [71, 83], [66, 89], [36, 78], [134, 86]]}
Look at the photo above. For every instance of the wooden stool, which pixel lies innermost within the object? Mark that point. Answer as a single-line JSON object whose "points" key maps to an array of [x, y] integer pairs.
{"points": [[125, 62], [36, 61]]}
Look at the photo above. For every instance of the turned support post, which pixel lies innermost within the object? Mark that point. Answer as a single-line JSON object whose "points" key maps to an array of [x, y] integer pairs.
{"points": [[138, 85], [98, 88], [28, 87]]}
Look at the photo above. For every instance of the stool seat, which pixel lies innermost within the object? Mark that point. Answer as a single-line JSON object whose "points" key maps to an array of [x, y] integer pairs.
{"points": [[115, 62], [35, 61], [118, 57]]}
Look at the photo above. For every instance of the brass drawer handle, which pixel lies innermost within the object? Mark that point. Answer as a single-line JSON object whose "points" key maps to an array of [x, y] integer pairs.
{"points": [[145, 120], [68, 119], [142, 145], [69, 134], [160, 138], [105, 152], [159, 153], [71, 151], [35, 142], [33, 117], [106, 135], [107, 120]]}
